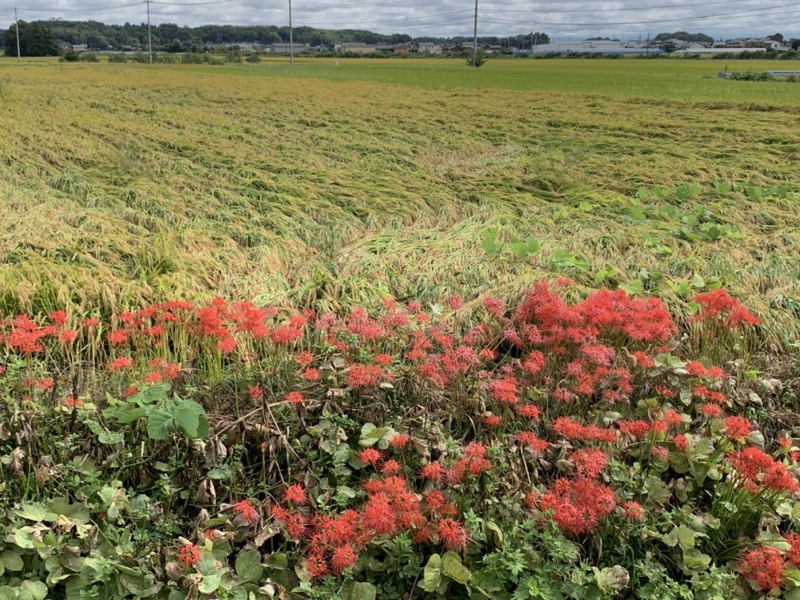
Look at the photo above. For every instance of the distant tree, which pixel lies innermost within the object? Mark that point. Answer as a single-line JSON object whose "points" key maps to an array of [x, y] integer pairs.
{"points": [[795, 44], [685, 36], [35, 39], [777, 37]]}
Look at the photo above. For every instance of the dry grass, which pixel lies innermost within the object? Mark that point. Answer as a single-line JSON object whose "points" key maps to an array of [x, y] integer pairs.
{"points": [[123, 184]]}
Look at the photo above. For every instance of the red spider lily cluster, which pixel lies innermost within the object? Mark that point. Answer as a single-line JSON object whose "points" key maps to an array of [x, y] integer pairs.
{"points": [[333, 543], [533, 376], [764, 568]]}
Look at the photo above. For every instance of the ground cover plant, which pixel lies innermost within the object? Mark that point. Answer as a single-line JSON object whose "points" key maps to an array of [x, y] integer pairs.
{"points": [[549, 449]]}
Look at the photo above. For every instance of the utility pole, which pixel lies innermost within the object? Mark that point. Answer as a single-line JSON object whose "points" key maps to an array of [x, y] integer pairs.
{"points": [[16, 28], [475, 38], [291, 37], [149, 39]]}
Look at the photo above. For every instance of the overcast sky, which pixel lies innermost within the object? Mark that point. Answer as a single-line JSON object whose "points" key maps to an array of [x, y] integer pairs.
{"points": [[628, 19]]}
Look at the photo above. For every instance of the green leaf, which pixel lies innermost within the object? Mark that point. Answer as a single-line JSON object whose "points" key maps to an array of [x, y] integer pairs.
{"points": [[695, 560], [489, 242], [586, 207], [248, 566], [160, 424], [612, 579], [36, 590], [633, 288], [454, 569], [210, 583], [362, 591], [187, 415], [432, 574], [35, 512], [126, 414], [686, 537], [12, 560], [76, 513], [775, 540]]}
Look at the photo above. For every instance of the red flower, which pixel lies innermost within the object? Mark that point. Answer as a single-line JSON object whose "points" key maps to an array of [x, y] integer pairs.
{"points": [[737, 428], [310, 375], [247, 511], [400, 440], [121, 363], [492, 420], [589, 463], [452, 534], [633, 511], [71, 402], [255, 392], [189, 554], [793, 555], [578, 506], [681, 442], [529, 411], [763, 568], [432, 471], [370, 456], [532, 441], [294, 398], [343, 557], [391, 467], [295, 494], [711, 410]]}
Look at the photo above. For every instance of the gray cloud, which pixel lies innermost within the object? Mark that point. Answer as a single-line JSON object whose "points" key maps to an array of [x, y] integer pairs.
{"points": [[629, 19]]}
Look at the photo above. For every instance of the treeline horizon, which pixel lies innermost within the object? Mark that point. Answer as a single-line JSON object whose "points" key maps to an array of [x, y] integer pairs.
{"points": [[99, 35]]}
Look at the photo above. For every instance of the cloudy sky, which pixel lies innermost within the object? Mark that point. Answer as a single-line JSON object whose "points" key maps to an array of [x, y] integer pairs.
{"points": [[628, 19]]}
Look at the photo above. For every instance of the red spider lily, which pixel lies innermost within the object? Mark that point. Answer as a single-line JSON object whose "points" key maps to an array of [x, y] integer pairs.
{"points": [[294, 398], [578, 506], [189, 554], [433, 471], [120, 364], [758, 469], [633, 511], [400, 440], [589, 463], [681, 442], [342, 558], [763, 568], [718, 305], [246, 511], [255, 392], [452, 534], [793, 555], [492, 420], [532, 441], [391, 467], [370, 456], [72, 402], [529, 411], [566, 427], [737, 428], [295, 494]]}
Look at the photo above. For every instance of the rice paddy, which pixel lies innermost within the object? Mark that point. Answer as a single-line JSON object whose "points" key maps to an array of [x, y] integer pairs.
{"points": [[324, 186]]}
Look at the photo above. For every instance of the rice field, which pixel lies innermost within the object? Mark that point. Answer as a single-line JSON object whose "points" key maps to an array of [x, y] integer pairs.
{"points": [[327, 186]]}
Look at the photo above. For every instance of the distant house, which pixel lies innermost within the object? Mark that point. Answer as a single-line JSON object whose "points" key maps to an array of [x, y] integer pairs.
{"points": [[63, 46], [285, 48], [359, 47], [429, 48], [80, 47]]}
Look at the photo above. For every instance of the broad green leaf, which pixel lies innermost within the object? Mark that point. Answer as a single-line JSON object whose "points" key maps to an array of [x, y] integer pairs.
{"points": [[36, 590], [77, 513], [686, 537], [775, 540], [12, 560], [210, 583], [187, 417], [160, 424], [126, 414], [35, 512], [695, 560], [454, 569], [633, 288], [362, 591], [432, 575], [248, 566]]}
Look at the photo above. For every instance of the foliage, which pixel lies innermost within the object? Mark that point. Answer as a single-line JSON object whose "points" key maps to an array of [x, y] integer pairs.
{"points": [[35, 39]]}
